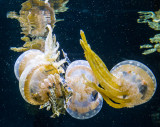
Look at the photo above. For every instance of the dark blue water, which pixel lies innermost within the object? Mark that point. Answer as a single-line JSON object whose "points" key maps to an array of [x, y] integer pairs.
{"points": [[112, 31]]}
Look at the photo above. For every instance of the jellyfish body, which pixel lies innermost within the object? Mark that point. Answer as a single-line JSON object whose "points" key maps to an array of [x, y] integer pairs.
{"points": [[29, 72], [35, 75], [40, 82], [85, 101], [34, 17], [24, 60], [129, 83], [137, 78], [39, 77]]}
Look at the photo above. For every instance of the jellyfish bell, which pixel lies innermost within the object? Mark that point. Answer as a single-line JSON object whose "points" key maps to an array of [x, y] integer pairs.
{"points": [[137, 78], [34, 79], [129, 83], [40, 82], [39, 79], [24, 59], [85, 101], [35, 83]]}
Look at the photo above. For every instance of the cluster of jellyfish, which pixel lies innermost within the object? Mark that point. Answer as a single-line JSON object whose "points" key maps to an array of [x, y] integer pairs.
{"points": [[80, 86]]}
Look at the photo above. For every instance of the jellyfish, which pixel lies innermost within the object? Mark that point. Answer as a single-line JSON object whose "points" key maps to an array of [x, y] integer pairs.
{"points": [[152, 18], [34, 17], [85, 101], [39, 75], [129, 83]]}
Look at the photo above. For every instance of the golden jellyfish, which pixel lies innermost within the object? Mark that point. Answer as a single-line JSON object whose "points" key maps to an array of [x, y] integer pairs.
{"points": [[85, 101], [34, 17], [152, 18], [153, 46], [129, 83], [81, 88], [39, 77]]}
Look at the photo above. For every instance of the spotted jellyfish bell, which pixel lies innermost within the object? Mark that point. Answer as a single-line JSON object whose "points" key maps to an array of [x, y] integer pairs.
{"points": [[85, 101], [139, 80]]}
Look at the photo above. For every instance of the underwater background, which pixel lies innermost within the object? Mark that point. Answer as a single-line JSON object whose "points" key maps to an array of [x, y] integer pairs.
{"points": [[112, 31]]}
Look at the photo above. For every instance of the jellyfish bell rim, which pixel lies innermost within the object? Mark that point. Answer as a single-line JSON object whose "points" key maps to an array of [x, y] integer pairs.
{"points": [[143, 67], [89, 114]]}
